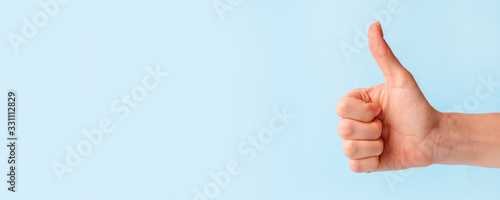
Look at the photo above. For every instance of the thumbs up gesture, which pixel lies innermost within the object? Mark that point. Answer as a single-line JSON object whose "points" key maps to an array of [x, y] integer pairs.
{"points": [[390, 126]]}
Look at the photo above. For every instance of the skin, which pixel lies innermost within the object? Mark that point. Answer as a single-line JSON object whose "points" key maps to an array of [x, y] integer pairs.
{"points": [[392, 126]]}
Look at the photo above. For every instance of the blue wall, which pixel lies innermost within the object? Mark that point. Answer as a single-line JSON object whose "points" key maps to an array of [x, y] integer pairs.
{"points": [[240, 72]]}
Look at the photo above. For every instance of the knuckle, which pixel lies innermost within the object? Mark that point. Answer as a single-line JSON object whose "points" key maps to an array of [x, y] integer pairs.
{"points": [[349, 148], [341, 108], [355, 166], [345, 129]]}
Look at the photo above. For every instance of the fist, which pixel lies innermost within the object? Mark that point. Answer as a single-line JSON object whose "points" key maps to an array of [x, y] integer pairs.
{"points": [[361, 130], [390, 126]]}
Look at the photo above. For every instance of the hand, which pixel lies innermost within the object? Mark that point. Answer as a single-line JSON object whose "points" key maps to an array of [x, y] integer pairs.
{"points": [[390, 126]]}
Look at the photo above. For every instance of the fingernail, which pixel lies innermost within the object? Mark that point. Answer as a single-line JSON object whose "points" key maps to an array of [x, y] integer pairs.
{"points": [[378, 111], [380, 28]]}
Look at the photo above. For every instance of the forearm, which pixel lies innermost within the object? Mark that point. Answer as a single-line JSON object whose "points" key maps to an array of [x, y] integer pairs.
{"points": [[469, 139]]}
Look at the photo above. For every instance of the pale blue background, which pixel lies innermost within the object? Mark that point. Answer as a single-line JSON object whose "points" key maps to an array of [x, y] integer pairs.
{"points": [[225, 79]]}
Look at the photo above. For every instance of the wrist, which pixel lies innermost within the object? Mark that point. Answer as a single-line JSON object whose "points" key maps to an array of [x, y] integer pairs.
{"points": [[443, 138], [454, 145], [467, 139], [458, 145]]}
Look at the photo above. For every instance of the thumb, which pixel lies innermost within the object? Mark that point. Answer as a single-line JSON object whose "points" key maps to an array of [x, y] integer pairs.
{"points": [[391, 68]]}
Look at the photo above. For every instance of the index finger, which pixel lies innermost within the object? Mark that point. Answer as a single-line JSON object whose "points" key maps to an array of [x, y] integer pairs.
{"points": [[357, 105]]}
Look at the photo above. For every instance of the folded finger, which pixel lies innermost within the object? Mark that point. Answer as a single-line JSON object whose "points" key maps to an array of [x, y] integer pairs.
{"points": [[352, 129], [356, 105], [356, 149], [364, 165]]}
